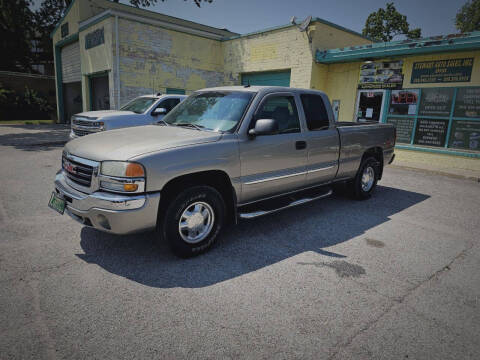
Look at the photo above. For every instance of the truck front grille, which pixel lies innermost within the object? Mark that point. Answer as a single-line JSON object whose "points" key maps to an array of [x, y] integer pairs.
{"points": [[79, 132], [77, 172]]}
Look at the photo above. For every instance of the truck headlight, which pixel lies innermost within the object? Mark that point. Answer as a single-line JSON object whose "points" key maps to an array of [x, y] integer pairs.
{"points": [[122, 176], [99, 124]]}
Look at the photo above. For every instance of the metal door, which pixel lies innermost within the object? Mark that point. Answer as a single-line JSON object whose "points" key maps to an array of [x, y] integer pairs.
{"points": [[273, 164]]}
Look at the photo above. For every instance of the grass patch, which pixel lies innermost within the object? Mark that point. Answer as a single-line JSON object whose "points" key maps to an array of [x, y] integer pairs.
{"points": [[27, 122]]}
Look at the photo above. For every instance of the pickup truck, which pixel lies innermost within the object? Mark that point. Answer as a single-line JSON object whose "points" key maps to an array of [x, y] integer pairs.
{"points": [[223, 154], [143, 110]]}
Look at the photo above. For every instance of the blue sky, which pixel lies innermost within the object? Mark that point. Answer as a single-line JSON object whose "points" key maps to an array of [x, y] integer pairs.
{"points": [[434, 17]]}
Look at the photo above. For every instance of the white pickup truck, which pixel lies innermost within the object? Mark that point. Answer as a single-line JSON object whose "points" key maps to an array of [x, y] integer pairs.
{"points": [[143, 110]]}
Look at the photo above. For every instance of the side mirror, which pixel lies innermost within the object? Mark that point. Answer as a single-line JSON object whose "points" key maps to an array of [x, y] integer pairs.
{"points": [[159, 111], [264, 127]]}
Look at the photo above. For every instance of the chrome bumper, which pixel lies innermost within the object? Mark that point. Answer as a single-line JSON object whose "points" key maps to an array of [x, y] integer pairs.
{"points": [[114, 213]]}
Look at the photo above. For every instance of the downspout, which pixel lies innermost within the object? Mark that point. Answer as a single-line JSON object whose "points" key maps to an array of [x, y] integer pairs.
{"points": [[117, 64]]}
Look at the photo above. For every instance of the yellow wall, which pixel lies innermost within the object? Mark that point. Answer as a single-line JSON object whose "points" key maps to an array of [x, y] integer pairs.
{"points": [[153, 57], [281, 49]]}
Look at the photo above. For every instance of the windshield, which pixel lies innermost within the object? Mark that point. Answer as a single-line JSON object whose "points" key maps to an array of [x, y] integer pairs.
{"points": [[139, 105], [216, 111]]}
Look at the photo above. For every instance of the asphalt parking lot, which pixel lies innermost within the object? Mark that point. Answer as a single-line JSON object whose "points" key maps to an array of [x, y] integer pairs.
{"points": [[394, 277]]}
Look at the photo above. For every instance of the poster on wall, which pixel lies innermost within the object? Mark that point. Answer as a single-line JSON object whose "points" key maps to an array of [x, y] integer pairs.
{"points": [[467, 103], [403, 102], [442, 71], [404, 128], [436, 102], [465, 135], [431, 132], [381, 75]]}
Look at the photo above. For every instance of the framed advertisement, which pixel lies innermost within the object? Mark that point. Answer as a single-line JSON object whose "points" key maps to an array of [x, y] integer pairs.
{"points": [[381, 75], [431, 132], [436, 102], [467, 103], [465, 135]]}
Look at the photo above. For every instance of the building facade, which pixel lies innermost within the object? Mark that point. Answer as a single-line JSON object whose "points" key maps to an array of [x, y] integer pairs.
{"points": [[108, 53]]}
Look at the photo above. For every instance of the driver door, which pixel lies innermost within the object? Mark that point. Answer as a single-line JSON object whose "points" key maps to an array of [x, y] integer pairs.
{"points": [[274, 164]]}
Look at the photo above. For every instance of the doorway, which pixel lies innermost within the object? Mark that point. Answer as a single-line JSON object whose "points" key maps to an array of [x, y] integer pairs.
{"points": [[99, 92], [369, 105]]}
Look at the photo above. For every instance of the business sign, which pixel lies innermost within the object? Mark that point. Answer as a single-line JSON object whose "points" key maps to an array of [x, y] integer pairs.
{"points": [[431, 132], [404, 128], [442, 71], [381, 75], [467, 103], [94, 38], [465, 135], [436, 102]]}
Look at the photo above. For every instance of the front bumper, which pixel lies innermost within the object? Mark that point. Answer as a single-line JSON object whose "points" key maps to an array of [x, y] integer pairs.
{"points": [[114, 213]]}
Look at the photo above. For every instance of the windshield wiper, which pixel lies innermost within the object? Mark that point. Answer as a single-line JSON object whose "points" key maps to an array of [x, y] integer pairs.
{"points": [[190, 125], [163, 122]]}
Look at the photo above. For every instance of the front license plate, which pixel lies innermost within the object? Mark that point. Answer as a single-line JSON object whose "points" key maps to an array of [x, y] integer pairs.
{"points": [[57, 203]]}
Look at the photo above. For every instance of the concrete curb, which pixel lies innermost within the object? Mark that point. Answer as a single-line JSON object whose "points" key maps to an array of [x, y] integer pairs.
{"points": [[437, 172]]}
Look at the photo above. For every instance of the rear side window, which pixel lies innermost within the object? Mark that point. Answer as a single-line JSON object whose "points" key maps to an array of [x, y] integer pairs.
{"points": [[315, 112]]}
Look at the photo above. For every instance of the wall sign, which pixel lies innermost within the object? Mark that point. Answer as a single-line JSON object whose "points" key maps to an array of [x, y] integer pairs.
{"points": [[404, 128], [465, 135], [94, 38], [64, 29], [381, 75], [467, 103], [442, 71], [436, 102], [431, 132]]}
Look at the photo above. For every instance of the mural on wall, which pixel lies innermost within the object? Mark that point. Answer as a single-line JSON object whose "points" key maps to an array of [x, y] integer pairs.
{"points": [[381, 75], [442, 71]]}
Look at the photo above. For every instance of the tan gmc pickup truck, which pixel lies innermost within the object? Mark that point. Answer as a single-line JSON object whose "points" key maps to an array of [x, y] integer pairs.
{"points": [[222, 154]]}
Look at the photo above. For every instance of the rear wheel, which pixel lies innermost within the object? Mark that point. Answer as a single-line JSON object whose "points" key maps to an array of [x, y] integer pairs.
{"points": [[366, 179], [193, 220]]}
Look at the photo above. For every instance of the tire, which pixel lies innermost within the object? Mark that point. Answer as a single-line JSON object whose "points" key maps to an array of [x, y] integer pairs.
{"points": [[193, 220], [366, 179]]}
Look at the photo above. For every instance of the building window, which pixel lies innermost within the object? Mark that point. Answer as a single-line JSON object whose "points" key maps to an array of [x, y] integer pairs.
{"points": [[64, 30], [444, 117]]}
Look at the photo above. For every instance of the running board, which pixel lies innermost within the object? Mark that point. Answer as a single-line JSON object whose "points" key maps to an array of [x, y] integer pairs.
{"points": [[254, 214]]}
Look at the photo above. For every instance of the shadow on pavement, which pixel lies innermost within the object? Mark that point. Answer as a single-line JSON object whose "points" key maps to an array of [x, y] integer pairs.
{"points": [[251, 245], [34, 137]]}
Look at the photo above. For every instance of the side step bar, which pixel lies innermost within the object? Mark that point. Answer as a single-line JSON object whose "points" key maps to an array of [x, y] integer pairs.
{"points": [[260, 212]]}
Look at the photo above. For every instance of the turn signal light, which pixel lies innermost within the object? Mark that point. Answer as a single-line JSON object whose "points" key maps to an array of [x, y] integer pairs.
{"points": [[130, 187], [134, 170]]}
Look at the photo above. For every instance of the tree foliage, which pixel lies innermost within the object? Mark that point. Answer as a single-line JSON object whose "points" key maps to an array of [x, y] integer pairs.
{"points": [[147, 3], [16, 21], [468, 17], [385, 24]]}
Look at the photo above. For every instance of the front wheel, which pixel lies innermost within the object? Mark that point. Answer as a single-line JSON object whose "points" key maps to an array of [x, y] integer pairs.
{"points": [[193, 220], [366, 179]]}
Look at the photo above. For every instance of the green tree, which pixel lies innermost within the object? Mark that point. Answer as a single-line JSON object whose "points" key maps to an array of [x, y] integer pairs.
{"points": [[385, 24], [15, 35], [468, 17]]}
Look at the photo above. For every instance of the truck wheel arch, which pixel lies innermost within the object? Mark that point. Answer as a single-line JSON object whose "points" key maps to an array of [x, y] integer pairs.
{"points": [[377, 153], [217, 179]]}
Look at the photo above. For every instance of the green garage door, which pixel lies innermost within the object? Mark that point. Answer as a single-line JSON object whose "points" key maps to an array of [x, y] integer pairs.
{"points": [[271, 78]]}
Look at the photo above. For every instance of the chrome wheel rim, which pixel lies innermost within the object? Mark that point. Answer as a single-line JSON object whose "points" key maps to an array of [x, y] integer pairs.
{"points": [[196, 222], [368, 177]]}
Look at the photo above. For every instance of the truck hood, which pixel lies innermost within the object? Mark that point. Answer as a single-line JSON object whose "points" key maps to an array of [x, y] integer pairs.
{"points": [[124, 144], [100, 114]]}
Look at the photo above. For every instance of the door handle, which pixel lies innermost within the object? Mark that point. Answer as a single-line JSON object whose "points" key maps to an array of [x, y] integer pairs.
{"points": [[300, 145]]}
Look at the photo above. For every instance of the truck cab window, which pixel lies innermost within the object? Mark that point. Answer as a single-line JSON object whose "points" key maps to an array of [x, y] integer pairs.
{"points": [[282, 109], [168, 104], [315, 112]]}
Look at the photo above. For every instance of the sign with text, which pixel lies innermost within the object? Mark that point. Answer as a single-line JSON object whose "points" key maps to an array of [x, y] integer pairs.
{"points": [[436, 102], [381, 75], [404, 128], [442, 71], [467, 103], [465, 135], [431, 132], [94, 38]]}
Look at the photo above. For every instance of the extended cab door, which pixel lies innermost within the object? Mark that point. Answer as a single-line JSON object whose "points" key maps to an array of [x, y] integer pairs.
{"points": [[274, 164], [322, 138]]}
